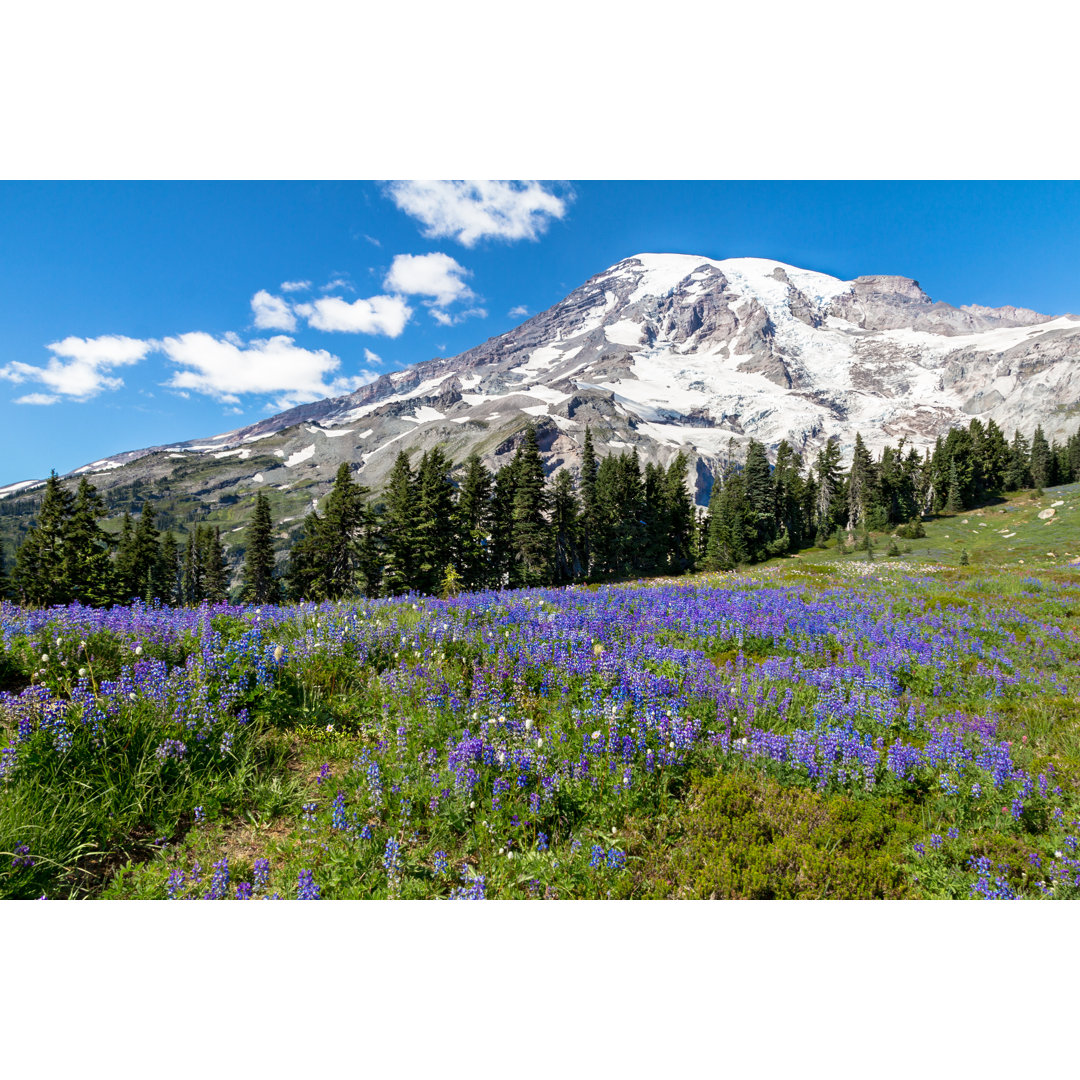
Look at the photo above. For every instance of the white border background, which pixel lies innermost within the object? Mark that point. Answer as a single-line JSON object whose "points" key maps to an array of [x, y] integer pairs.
{"points": [[229, 90]]}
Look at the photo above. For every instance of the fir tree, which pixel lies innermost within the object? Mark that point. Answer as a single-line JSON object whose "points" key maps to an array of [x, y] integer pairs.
{"points": [[588, 500], [760, 497], [193, 571], [398, 529], [566, 528], [169, 571], [42, 561], [679, 510], [343, 566], [259, 585], [530, 531], [827, 467], [1041, 459], [434, 519], [145, 580], [473, 521], [88, 562], [215, 567], [303, 569]]}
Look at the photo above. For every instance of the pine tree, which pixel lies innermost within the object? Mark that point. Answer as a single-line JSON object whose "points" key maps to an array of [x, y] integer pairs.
{"points": [[259, 585], [860, 484], [124, 573], [530, 532], [1018, 473], [827, 468], [761, 499], [88, 562], [169, 571], [193, 571], [303, 569], [341, 539], [588, 500], [502, 524], [41, 562], [1040, 459], [680, 516], [566, 528], [472, 525], [730, 524], [145, 559], [215, 567], [398, 529], [434, 519], [5, 583]]}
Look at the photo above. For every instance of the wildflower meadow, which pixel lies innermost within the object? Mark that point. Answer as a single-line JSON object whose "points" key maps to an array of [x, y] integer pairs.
{"points": [[795, 731]]}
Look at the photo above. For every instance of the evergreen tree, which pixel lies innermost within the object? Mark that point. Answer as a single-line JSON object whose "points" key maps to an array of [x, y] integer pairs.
{"points": [[680, 516], [215, 567], [1018, 473], [341, 540], [588, 500], [434, 520], [303, 568], [259, 585], [398, 529], [5, 583], [193, 572], [566, 528], [124, 574], [1041, 460], [169, 571], [861, 482], [761, 499], [531, 532], [42, 562], [502, 524], [145, 578], [472, 525], [88, 562], [827, 467], [730, 524]]}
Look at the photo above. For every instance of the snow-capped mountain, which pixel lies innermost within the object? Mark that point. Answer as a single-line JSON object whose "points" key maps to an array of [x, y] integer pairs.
{"points": [[667, 352]]}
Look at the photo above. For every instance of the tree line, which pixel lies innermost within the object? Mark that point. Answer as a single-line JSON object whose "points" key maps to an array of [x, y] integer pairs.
{"points": [[435, 534]]}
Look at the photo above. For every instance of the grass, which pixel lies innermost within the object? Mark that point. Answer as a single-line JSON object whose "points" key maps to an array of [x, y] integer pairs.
{"points": [[627, 741]]}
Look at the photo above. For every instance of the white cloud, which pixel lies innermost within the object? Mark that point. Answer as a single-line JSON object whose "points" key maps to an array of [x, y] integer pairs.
{"points": [[78, 368], [518, 312], [271, 312], [337, 283], [471, 210], [223, 370], [372, 358], [375, 315], [443, 319], [295, 286], [435, 275]]}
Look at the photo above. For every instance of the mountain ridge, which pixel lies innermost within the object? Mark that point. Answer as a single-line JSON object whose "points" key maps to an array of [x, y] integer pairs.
{"points": [[665, 352]]}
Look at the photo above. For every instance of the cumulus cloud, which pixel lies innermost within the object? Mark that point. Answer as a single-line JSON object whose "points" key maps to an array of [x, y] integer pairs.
{"points": [[435, 275], [518, 312], [337, 283], [471, 210], [272, 312], [295, 286], [79, 368], [223, 370], [372, 358], [385, 315], [444, 319]]}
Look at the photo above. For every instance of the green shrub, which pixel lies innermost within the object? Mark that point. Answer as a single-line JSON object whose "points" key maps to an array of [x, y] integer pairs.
{"points": [[742, 835]]}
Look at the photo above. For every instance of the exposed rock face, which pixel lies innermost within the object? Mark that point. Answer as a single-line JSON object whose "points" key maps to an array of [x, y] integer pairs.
{"points": [[664, 353]]}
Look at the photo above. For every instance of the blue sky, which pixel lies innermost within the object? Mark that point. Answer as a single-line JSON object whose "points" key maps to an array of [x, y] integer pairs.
{"points": [[135, 314]]}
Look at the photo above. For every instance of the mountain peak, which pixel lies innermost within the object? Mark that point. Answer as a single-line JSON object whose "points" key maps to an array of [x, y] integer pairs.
{"points": [[669, 352]]}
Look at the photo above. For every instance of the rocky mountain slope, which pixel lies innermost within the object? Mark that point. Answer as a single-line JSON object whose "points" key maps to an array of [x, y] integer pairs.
{"points": [[663, 353]]}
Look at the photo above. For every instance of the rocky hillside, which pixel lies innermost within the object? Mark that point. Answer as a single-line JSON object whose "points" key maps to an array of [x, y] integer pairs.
{"points": [[659, 352]]}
